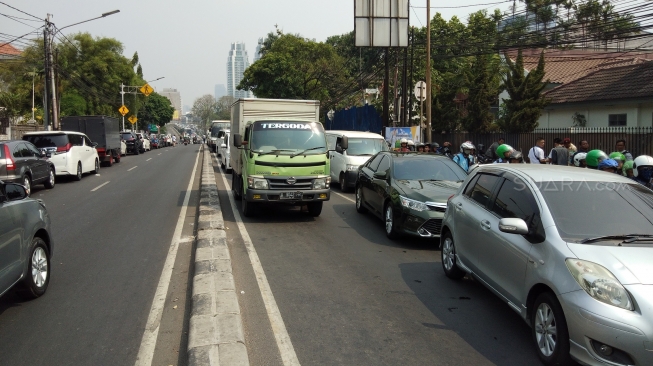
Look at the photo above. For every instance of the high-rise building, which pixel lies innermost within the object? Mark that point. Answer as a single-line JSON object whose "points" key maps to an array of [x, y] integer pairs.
{"points": [[236, 64], [257, 53], [220, 91], [175, 100]]}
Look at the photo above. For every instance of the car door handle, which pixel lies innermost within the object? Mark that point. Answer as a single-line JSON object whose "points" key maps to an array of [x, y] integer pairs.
{"points": [[485, 225], [459, 206]]}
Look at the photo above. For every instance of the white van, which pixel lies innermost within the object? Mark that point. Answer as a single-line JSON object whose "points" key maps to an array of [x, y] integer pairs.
{"points": [[345, 163], [224, 152], [72, 153]]}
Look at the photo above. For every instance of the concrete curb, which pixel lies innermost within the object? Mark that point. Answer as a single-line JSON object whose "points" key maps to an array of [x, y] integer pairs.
{"points": [[215, 334]]}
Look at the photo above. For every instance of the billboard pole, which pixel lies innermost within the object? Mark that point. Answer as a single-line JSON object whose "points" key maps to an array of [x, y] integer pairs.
{"points": [[428, 71]]}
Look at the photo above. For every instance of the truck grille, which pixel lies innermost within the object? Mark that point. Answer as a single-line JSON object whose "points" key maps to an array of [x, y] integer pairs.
{"points": [[433, 226], [281, 183]]}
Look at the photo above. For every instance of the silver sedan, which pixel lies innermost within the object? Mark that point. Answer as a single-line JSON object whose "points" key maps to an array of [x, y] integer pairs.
{"points": [[569, 249]]}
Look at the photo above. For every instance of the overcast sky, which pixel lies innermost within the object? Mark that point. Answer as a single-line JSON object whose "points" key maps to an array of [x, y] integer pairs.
{"points": [[188, 41]]}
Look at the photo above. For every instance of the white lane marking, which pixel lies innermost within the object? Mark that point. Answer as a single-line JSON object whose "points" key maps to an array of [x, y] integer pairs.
{"points": [[286, 349], [130, 169], [100, 186], [345, 197], [148, 343], [148, 159], [159, 154]]}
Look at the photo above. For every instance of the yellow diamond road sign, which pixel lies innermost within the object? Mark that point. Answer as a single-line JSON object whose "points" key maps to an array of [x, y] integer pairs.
{"points": [[146, 89], [132, 119], [123, 110]]}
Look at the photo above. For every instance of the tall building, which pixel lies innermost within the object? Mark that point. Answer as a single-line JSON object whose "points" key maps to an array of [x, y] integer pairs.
{"points": [[257, 53], [220, 91], [175, 99], [236, 64]]}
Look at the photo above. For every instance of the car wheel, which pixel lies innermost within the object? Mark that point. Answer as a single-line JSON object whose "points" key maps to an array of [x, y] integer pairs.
{"points": [[27, 182], [360, 207], [549, 328], [315, 208], [49, 184], [248, 207], [137, 151], [390, 227], [343, 183], [78, 176], [449, 264], [234, 187], [38, 271], [97, 167]]}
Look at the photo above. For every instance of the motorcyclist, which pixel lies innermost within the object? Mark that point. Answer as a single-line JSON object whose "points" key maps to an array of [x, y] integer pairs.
{"points": [[463, 158], [609, 166], [579, 159], [503, 152], [403, 147], [427, 148], [619, 157], [627, 169], [411, 145], [643, 170], [594, 157], [515, 157], [420, 147]]}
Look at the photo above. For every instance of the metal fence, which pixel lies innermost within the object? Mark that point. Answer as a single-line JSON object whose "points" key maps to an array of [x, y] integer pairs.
{"points": [[639, 140]]}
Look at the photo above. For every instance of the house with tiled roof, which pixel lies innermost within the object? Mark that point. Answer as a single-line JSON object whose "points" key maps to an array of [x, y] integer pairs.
{"points": [[606, 97], [7, 51]]}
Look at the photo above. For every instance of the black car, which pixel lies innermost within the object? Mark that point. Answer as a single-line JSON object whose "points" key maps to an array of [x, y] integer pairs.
{"points": [[21, 162], [408, 191], [134, 144]]}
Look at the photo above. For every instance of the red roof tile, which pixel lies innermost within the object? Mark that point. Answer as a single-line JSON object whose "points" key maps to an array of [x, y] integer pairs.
{"points": [[6, 49]]}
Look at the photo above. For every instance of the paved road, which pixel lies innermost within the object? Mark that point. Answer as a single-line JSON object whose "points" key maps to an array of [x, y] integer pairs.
{"points": [[111, 245], [350, 296]]}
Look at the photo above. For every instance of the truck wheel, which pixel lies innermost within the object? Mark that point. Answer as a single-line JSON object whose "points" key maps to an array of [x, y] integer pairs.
{"points": [[235, 188], [136, 150], [315, 208], [248, 208], [109, 162], [343, 183]]}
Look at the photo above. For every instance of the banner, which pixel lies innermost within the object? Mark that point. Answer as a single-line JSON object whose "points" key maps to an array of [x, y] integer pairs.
{"points": [[394, 134]]}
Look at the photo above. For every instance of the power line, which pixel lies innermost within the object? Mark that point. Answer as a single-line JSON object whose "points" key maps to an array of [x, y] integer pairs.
{"points": [[33, 16], [463, 6]]}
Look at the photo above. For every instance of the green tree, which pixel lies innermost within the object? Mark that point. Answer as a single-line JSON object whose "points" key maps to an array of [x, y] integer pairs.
{"points": [[157, 110], [484, 84], [524, 108], [223, 107], [204, 108]]}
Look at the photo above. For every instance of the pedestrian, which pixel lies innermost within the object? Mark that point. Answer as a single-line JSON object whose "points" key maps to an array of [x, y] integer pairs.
{"points": [[491, 151], [571, 147], [559, 155], [643, 170], [584, 146], [174, 140], [463, 157], [536, 153], [621, 147]]}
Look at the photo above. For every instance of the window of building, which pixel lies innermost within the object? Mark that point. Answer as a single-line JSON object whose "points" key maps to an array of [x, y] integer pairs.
{"points": [[617, 120]]}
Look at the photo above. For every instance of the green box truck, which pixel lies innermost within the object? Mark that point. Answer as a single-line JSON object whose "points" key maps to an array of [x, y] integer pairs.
{"points": [[279, 154]]}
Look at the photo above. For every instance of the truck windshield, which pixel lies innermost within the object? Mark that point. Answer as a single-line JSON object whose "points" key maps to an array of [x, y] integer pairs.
{"points": [[288, 136], [363, 146]]}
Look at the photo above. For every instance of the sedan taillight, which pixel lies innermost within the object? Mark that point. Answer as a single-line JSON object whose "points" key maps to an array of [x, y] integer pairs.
{"points": [[10, 160]]}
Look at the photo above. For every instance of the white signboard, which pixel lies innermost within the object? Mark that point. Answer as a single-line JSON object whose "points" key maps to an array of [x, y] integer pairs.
{"points": [[420, 91], [381, 23]]}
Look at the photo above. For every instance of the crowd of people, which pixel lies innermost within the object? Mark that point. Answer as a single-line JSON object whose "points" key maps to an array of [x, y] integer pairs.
{"points": [[564, 152]]}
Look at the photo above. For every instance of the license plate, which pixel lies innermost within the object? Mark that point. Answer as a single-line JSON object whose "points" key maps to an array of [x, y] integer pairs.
{"points": [[291, 195]]}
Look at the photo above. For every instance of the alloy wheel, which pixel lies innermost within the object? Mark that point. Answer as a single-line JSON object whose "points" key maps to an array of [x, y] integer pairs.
{"points": [[39, 267], [546, 330], [52, 178], [27, 184], [388, 219], [448, 253], [358, 198]]}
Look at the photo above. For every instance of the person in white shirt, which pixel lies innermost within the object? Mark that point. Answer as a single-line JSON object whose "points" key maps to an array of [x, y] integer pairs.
{"points": [[536, 153]]}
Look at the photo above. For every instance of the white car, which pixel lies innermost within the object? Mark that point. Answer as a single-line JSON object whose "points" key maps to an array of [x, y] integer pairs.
{"points": [[72, 153], [225, 155], [344, 163], [146, 142], [123, 148]]}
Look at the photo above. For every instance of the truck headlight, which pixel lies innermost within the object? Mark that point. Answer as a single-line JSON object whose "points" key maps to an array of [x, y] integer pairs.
{"points": [[413, 205], [321, 183], [599, 283], [257, 183], [352, 168]]}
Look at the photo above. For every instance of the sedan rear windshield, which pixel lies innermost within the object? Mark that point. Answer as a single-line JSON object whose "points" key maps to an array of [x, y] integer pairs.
{"points": [[42, 141], [427, 169], [591, 209], [127, 136]]}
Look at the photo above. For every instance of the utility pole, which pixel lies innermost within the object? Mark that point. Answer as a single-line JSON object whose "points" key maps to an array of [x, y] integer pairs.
{"points": [[428, 71], [50, 62], [386, 87], [46, 97], [412, 69], [122, 96]]}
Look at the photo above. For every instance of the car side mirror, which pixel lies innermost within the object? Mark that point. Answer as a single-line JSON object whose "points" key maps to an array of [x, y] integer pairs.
{"points": [[344, 142], [513, 226], [95, 144], [380, 175], [238, 140], [15, 192]]}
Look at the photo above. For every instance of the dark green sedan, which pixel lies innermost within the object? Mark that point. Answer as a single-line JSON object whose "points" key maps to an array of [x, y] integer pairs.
{"points": [[409, 191]]}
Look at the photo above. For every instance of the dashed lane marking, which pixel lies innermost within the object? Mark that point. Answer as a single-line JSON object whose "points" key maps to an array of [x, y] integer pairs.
{"points": [[100, 186], [130, 169], [345, 197], [148, 159]]}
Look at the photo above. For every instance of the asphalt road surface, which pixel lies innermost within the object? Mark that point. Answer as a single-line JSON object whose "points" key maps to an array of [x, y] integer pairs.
{"points": [[110, 248]]}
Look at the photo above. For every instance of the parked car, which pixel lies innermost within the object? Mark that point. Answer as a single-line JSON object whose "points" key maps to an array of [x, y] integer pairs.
{"points": [[225, 155], [72, 153], [345, 163], [145, 142], [134, 145], [408, 191], [26, 245], [543, 238], [21, 162], [154, 142]]}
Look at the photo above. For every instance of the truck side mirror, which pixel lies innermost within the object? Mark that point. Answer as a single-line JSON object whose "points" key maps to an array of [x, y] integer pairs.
{"points": [[344, 142], [238, 140]]}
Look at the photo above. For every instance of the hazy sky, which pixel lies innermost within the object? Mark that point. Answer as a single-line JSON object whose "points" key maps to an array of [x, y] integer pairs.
{"points": [[188, 41]]}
